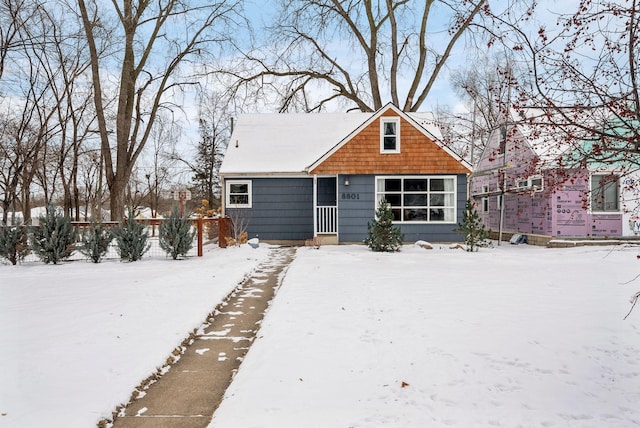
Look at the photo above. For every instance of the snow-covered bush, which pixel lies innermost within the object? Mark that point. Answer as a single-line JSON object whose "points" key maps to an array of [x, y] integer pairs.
{"points": [[475, 234], [383, 236], [14, 243], [132, 239], [54, 239], [176, 236], [95, 242]]}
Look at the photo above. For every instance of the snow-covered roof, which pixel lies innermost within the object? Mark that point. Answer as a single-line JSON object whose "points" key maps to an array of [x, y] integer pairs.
{"points": [[544, 140], [290, 143]]}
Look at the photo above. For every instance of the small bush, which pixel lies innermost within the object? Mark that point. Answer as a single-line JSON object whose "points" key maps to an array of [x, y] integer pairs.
{"points": [[383, 236], [132, 239], [242, 239], [54, 240], [95, 242], [14, 243], [176, 236], [475, 234]]}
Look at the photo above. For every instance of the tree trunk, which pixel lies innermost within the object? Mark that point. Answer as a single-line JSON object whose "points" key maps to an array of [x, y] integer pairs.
{"points": [[117, 192]]}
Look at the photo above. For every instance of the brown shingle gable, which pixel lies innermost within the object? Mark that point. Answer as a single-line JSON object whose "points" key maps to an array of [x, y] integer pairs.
{"points": [[419, 154]]}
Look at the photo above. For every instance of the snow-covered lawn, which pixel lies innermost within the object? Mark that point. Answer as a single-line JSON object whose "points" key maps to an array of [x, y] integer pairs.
{"points": [[510, 336], [77, 338]]}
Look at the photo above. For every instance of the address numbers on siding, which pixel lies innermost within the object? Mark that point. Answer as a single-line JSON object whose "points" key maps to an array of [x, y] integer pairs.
{"points": [[350, 196]]}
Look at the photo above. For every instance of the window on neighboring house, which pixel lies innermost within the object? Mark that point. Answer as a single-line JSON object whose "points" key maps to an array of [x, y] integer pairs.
{"points": [[239, 194], [419, 199], [503, 140], [522, 183], [485, 200], [536, 183], [390, 135], [605, 193]]}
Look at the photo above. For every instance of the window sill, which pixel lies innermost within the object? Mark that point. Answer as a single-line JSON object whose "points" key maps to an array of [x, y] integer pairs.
{"points": [[605, 212], [425, 222]]}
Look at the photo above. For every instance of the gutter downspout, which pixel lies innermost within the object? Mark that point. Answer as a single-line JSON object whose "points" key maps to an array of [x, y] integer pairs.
{"points": [[223, 198]]}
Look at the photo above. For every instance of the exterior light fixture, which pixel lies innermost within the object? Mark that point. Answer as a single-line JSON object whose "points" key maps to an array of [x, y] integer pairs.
{"points": [[346, 180]]}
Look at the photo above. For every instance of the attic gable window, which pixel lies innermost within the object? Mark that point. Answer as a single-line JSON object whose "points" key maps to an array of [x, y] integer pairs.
{"points": [[238, 194], [390, 135], [503, 140]]}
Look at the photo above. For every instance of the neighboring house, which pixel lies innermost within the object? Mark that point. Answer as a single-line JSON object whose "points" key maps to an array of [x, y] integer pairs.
{"points": [[293, 177], [543, 195]]}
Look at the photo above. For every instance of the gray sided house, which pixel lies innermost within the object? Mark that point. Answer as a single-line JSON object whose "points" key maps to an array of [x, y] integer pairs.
{"points": [[292, 177]]}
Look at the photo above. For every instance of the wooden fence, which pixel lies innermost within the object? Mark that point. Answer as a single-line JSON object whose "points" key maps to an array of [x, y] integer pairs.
{"points": [[220, 226]]}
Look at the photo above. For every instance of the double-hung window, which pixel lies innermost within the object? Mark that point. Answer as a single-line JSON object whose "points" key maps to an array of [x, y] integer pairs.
{"points": [[536, 182], [485, 200], [605, 195], [390, 135], [419, 199], [503, 140], [238, 194]]}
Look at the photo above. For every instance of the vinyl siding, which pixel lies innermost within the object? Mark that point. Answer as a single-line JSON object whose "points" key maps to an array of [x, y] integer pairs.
{"points": [[356, 208], [282, 209]]}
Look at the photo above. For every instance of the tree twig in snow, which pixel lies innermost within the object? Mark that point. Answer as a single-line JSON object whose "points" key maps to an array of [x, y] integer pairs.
{"points": [[634, 300]]}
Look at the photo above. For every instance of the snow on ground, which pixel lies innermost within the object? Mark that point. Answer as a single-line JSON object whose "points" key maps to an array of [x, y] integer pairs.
{"points": [[510, 336], [77, 338]]}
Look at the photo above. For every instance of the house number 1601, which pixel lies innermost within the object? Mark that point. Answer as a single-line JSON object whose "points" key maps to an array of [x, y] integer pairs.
{"points": [[351, 196]]}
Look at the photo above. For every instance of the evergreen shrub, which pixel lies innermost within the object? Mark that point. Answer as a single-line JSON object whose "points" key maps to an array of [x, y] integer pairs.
{"points": [[132, 239], [95, 242], [54, 239], [475, 234], [176, 236], [382, 235], [14, 243]]}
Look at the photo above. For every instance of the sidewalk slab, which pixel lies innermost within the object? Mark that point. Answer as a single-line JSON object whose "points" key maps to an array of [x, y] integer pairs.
{"points": [[188, 394]]}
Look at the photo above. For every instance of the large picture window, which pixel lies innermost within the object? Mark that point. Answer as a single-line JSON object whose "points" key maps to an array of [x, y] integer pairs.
{"points": [[238, 194], [604, 193], [419, 199]]}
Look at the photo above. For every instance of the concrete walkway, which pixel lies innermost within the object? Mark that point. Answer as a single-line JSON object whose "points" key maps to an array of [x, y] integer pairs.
{"points": [[188, 394]]}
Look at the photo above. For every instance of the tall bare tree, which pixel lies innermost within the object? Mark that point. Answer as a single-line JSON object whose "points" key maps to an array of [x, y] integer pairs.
{"points": [[14, 17], [215, 130], [485, 85], [586, 76], [156, 41], [363, 52], [159, 164], [60, 58], [30, 109]]}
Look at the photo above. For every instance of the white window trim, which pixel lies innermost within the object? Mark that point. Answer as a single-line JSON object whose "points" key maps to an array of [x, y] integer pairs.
{"points": [[395, 120], [591, 211], [522, 183], [428, 177], [228, 184], [485, 200], [536, 177]]}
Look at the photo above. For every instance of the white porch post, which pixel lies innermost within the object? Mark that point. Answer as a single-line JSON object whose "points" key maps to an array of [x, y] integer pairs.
{"points": [[315, 206]]}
